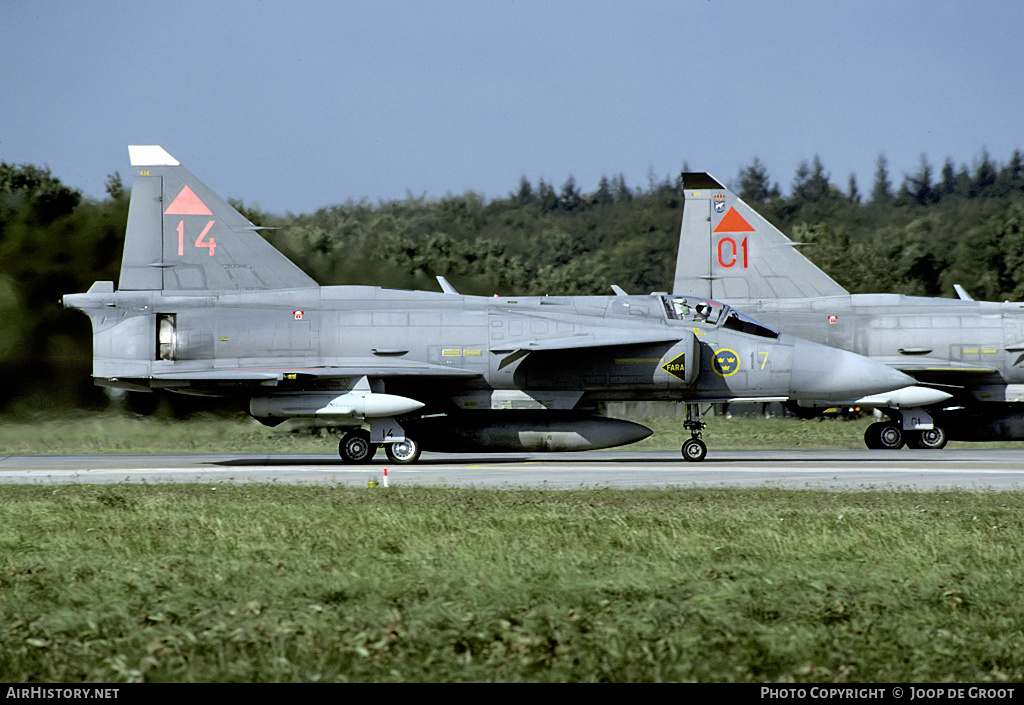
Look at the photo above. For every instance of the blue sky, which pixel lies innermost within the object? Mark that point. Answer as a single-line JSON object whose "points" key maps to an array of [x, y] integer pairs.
{"points": [[298, 104]]}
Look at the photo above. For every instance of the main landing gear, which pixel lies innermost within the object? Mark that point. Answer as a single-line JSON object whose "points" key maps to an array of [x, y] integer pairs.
{"points": [[693, 449], [888, 435], [931, 439], [403, 452], [355, 448], [884, 435]]}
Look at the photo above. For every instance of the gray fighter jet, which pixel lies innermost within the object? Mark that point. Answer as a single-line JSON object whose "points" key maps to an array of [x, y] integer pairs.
{"points": [[204, 305], [972, 349]]}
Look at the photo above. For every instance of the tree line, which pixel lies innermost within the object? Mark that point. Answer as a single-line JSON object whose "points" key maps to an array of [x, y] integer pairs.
{"points": [[935, 229]]}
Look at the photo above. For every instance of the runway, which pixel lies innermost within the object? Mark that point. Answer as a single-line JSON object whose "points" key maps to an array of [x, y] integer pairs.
{"points": [[913, 470]]}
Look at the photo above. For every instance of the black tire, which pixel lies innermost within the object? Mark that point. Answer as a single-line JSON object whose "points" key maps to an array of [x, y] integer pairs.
{"points": [[355, 448], [404, 452], [929, 439], [871, 436], [694, 450]]}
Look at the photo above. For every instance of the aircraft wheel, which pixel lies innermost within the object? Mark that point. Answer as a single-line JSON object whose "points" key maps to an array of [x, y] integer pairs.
{"points": [[694, 450], [930, 439], [884, 436], [355, 447], [890, 437], [403, 452]]}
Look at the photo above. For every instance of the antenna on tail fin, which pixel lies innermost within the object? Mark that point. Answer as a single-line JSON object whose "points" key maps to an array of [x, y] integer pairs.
{"points": [[182, 236], [729, 252]]}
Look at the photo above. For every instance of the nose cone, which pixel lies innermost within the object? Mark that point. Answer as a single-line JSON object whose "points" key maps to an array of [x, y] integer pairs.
{"points": [[821, 372]]}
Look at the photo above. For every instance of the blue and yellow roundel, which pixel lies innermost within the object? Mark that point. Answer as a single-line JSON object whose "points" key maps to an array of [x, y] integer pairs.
{"points": [[726, 362]]}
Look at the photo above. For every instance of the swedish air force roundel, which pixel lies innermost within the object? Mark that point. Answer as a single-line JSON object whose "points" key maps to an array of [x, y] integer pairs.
{"points": [[726, 362]]}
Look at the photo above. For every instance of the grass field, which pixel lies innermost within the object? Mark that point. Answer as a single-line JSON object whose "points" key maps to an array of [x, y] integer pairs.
{"points": [[216, 582], [278, 583]]}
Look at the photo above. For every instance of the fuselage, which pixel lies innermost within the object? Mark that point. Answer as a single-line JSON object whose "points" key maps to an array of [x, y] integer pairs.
{"points": [[475, 352]]}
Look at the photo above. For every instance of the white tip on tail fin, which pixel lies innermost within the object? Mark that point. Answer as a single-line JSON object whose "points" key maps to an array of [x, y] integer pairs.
{"points": [[729, 252], [150, 155], [182, 236]]}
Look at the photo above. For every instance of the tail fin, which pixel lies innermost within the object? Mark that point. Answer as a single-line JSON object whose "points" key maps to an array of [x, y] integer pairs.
{"points": [[729, 252], [183, 237]]}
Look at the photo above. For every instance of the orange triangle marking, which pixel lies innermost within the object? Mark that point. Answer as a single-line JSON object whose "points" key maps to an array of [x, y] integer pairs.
{"points": [[732, 222], [187, 203]]}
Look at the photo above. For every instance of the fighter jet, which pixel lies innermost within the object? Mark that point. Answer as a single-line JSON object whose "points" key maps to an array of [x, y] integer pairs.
{"points": [[972, 349], [204, 305]]}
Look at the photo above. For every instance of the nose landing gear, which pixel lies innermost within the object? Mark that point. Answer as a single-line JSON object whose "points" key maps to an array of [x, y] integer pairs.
{"points": [[694, 450]]}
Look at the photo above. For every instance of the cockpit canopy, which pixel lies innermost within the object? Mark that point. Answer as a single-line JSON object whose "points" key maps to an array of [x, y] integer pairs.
{"points": [[698, 309]]}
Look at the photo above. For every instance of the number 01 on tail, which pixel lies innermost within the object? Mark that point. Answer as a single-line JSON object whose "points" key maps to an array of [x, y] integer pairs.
{"points": [[729, 252]]}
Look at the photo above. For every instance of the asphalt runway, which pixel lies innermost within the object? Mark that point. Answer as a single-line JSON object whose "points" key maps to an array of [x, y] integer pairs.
{"points": [[879, 470]]}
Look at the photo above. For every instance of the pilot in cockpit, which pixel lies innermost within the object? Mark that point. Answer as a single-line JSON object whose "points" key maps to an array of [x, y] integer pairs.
{"points": [[707, 312]]}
